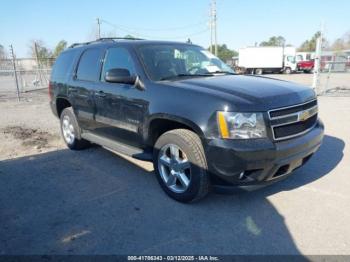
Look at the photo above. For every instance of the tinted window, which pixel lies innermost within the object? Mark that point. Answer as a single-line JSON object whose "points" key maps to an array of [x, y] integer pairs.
{"points": [[170, 60], [118, 58], [63, 66], [89, 65]]}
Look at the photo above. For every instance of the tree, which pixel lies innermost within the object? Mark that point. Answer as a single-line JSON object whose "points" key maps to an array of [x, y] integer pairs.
{"points": [[341, 43], [59, 48], [274, 41], [310, 45], [224, 53], [129, 37], [3, 54], [43, 52]]}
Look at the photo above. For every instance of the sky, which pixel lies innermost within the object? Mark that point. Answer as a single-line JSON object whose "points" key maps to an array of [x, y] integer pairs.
{"points": [[240, 23]]}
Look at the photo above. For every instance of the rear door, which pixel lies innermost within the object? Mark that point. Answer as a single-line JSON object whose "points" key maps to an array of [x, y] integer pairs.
{"points": [[83, 86], [120, 108]]}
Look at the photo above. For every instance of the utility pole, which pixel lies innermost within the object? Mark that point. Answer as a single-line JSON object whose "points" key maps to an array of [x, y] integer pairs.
{"points": [[317, 66], [98, 28], [15, 70], [38, 62], [213, 28]]}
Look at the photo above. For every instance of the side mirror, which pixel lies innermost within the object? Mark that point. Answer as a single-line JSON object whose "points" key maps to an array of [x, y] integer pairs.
{"points": [[120, 75]]}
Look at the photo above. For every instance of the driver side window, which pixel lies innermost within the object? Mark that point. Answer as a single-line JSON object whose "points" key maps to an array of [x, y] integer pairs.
{"points": [[117, 57]]}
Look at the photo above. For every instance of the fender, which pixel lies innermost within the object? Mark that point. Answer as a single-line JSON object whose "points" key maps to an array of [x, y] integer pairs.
{"points": [[170, 117]]}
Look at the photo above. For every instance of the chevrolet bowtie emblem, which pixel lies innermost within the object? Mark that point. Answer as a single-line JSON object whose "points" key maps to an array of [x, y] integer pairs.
{"points": [[304, 115]]}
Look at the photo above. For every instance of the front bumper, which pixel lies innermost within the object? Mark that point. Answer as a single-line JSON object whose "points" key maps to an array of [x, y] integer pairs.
{"points": [[259, 162]]}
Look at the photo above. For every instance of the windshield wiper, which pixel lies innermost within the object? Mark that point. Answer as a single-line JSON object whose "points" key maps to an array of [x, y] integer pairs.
{"points": [[184, 75], [222, 72]]}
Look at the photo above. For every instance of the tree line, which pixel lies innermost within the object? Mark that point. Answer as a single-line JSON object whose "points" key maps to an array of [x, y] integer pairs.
{"points": [[37, 48], [224, 53], [309, 45]]}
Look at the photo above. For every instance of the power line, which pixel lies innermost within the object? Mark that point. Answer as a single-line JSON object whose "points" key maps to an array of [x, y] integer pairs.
{"points": [[203, 22], [121, 28]]}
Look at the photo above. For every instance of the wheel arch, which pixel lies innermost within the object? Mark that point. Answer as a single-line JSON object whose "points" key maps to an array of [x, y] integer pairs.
{"points": [[61, 104], [160, 123]]}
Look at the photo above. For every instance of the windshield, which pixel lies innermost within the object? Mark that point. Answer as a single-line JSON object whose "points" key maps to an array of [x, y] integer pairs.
{"points": [[167, 61], [291, 59]]}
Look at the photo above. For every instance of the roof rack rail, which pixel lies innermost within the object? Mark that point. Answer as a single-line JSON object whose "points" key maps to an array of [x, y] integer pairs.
{"points": [[119, 38], [104, 39]]}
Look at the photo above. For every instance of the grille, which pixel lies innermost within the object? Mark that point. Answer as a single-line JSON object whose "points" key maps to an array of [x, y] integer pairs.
{"points": [[293, 121]]}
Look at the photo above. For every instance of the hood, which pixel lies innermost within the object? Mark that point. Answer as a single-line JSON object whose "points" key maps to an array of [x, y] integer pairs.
{"points": [[250, 92]]}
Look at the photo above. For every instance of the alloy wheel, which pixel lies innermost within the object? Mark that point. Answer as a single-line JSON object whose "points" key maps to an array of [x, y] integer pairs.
{"points": [[68, 130], [174, 168]]}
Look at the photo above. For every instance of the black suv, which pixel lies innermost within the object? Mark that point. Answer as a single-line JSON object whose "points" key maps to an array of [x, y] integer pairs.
{"points": [[181, 107]]}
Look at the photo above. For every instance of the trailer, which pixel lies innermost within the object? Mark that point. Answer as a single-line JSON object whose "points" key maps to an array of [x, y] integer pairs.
{"points": [[269, 59]]}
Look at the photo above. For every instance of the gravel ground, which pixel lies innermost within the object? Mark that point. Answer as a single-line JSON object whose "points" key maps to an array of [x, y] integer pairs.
{"points": [[56, 201]]}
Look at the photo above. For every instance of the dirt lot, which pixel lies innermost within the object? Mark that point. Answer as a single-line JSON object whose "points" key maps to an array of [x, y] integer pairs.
{"points": [[56, 201]]}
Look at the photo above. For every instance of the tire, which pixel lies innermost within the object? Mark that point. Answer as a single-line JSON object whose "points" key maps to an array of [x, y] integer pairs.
{"points": [[190, 156], [288, 71], [258, 71], [70, 130]]}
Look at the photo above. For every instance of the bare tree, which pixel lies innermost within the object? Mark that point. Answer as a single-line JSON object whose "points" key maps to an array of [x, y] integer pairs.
{"points": [[38, 49], [3, 53]]}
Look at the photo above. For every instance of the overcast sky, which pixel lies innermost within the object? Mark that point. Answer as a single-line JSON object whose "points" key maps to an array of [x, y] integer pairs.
{"points": [[240, 23]]}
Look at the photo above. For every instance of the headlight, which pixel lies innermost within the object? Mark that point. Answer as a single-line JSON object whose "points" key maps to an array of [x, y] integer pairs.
{"points": [[234, 125]]}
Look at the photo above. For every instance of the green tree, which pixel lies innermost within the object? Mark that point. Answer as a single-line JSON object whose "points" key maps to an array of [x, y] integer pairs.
{"points": [[274, 41], [59, 48], [129, 37], [310, 45], [224, 53]]}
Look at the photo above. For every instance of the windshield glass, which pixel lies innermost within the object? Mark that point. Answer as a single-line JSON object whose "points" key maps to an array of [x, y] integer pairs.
{"points": [[291, 59], [166, 61]]}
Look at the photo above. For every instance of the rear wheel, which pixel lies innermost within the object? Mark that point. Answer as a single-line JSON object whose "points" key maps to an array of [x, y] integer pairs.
{"points": [[258, 71], [70, 130], [180, 165]]}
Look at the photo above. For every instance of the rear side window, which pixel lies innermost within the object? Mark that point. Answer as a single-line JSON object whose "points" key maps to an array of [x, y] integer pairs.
{"points": [[63, 66], [117, 57], [89, 65]]}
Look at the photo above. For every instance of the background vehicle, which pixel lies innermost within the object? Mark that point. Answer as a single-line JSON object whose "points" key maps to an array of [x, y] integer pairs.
{"points": [[181, 107], [304, 56], [306, 66], [258, 60]]}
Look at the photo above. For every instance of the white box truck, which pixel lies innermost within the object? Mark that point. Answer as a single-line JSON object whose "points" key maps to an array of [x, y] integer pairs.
{"points": [[258, 60]]}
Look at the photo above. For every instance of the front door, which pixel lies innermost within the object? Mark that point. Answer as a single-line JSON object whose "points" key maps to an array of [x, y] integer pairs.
{"points": [[120, 108]]}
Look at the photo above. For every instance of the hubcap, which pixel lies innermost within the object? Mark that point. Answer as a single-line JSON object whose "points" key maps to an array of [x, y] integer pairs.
{"points": [[174, 168], [68, 130]]}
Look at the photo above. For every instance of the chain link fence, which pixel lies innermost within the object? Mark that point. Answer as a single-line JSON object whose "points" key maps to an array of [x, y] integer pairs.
{"points": [[334, 76], [32, 74]]}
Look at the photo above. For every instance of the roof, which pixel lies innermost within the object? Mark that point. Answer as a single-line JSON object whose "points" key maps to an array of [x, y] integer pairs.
{"points": [[125, 40]]}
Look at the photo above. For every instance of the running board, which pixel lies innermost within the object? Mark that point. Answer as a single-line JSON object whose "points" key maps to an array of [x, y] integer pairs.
{"points": [[119, 147]]}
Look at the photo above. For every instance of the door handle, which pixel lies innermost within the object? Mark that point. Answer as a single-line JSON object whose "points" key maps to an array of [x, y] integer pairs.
{"points": [[72, 90], [100, 94]]}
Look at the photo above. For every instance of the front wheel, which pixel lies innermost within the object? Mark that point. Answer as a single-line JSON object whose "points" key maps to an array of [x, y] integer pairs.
{"points": [[180, 165], [288, 71]]}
